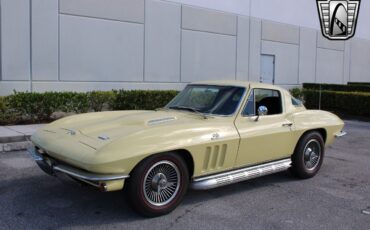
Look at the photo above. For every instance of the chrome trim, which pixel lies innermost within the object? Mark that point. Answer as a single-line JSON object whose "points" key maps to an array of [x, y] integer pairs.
{"points": [[86, 175], [341, 134], [161, 183], [51, 167], [222, 179], [161, 120]]}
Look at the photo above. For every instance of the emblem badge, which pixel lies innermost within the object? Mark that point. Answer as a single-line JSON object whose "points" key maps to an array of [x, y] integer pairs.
{"points": [[338, 18], [215, 136], [71, 132]]}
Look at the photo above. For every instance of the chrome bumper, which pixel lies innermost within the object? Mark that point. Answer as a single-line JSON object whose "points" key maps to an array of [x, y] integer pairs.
{"points": [[51, 167], [341, 134]]}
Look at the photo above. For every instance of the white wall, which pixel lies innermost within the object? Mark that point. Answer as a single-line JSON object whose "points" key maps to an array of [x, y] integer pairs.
{"points": [[86, 45], [295, 12]]}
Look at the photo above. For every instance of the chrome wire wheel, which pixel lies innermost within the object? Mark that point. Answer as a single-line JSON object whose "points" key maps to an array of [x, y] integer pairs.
{"points": [[161, 183], [312, 154]]}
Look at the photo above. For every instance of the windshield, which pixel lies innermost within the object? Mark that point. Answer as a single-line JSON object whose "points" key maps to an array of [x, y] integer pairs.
{"points": [[208, 99]]}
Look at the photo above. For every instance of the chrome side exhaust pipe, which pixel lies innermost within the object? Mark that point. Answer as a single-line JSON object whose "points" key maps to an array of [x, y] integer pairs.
{"points": [[231, 177]]}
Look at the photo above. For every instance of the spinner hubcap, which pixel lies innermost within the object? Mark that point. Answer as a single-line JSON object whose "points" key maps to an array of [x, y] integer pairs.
{"points": [[161, 183], [312, 154]]}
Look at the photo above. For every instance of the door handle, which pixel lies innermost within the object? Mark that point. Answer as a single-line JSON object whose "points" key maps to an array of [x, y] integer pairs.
{"points": [[287, 124]]}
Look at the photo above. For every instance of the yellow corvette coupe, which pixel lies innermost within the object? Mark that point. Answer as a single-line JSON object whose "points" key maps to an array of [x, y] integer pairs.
{"points": [[211, 134]]}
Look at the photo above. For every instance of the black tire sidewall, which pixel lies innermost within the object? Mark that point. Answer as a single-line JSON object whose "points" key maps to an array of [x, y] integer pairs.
{"points": [[299, 168], [135, 185]]}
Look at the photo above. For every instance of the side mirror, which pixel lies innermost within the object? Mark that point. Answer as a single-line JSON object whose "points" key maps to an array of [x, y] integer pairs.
{"points": [[262, 111]]}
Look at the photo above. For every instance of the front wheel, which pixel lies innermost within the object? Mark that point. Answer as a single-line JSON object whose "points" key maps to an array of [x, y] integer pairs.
{"points": [[308, 155], [158, 184]]}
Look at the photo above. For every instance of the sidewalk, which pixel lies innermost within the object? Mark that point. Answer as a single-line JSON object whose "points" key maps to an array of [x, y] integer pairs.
{"points": [[16, 137]]}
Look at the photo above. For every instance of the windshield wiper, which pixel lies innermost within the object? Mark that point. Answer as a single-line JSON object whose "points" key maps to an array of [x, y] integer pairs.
{"points": [[189, 109]]}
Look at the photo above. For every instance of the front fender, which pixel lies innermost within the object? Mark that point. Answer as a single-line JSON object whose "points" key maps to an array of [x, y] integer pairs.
{"points": [[122, 155]]}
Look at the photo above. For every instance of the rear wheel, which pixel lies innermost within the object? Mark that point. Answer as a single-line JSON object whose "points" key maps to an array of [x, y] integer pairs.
{"points": [[308, 155], [158, 184]]}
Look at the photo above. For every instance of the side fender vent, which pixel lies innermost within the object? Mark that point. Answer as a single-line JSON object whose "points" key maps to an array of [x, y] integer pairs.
{"points": [[214, 157]]}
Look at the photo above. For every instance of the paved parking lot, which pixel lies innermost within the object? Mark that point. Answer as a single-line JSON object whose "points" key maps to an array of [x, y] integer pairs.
{"points": [[337, 198]]}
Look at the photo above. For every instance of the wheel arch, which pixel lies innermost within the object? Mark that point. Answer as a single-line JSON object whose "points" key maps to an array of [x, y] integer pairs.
{"points": [[186, 155], [183, 153], [322, 132]]}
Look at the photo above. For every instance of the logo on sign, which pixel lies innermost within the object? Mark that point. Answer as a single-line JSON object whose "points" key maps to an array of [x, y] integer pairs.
{"points": [[338, 18]]}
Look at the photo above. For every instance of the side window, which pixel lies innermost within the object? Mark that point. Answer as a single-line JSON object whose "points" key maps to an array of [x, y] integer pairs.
{"points": [[249, 109], [263, 97]]}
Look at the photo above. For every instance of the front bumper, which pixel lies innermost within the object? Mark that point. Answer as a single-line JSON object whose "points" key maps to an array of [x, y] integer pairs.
{"points": [[341, 134], [106, 182]]}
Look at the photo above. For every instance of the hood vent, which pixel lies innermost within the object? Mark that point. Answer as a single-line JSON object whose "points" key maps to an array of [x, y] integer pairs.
{"points": [[161, 120]]}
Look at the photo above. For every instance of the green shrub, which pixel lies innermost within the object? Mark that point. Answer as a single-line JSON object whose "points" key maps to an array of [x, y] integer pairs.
{"points": [[351, 103], [297, 93], [335, 87], [142, 99], [26, 107], [99, 100], [2, 104], [359, 83]]}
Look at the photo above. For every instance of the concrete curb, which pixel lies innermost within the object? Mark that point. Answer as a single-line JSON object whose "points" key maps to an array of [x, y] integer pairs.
{"points": [[17, 137], [15, 146]]}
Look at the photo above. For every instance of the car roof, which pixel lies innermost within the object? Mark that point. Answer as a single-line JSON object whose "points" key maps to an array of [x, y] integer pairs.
{"points": [[245, 84]]}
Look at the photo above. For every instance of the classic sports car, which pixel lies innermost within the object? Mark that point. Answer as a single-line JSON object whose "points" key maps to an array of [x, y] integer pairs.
{"points": [[211, 134]]}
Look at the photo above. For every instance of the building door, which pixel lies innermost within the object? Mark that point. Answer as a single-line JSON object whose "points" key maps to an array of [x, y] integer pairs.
{"points": [[267, 69]]}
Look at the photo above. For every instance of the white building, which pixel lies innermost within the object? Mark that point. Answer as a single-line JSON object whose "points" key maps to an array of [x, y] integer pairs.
{"points": [[82, 45]]}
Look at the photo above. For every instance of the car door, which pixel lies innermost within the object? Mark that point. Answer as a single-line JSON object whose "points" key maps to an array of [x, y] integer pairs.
{"points": [[264, 138]]}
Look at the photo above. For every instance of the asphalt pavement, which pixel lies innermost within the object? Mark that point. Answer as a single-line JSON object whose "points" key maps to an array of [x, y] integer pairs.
{"points": [[337, 198]]}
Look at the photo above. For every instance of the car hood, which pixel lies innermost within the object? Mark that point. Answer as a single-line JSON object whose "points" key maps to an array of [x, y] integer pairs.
{"points": [[127, 124], [112, 142], [98, 129]]}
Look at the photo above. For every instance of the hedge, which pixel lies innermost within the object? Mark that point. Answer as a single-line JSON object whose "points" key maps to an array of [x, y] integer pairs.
{"points": [[26, 107], [359, 83], [335, 87], [350, 103], [142, 99]]}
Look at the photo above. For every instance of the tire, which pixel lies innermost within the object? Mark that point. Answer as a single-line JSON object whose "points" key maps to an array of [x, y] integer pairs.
{"points": [[166, 173], [308, 155]]}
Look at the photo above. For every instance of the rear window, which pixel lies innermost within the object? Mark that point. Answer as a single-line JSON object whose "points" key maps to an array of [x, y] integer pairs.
{"points": [[296, 102]]}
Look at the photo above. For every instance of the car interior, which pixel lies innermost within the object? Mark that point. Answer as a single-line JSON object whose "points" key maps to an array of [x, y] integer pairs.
{"points": [[271, 99]]}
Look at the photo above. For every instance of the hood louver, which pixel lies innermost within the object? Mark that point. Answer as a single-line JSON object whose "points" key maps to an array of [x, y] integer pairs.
{"points": [[161, 120]]}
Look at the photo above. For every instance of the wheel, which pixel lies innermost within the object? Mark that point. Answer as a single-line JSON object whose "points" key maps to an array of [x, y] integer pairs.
{"points": [[308, 155], [158, 184]]}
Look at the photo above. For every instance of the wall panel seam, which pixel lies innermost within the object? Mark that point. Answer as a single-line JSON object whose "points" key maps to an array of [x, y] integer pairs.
{"points": [[180, 67], [317, 38], [329, 48], [58, 40], [144, 41], [31, 60], [299, 54], [95, 81], [288, 43], [1, 45], [249, 47], [101, 18], [210, 32], [236, 49], [260, 54]]}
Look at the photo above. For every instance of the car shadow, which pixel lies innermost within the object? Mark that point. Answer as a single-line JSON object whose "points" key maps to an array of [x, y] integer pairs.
{"points": [[277, 180], [64, 203]]}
